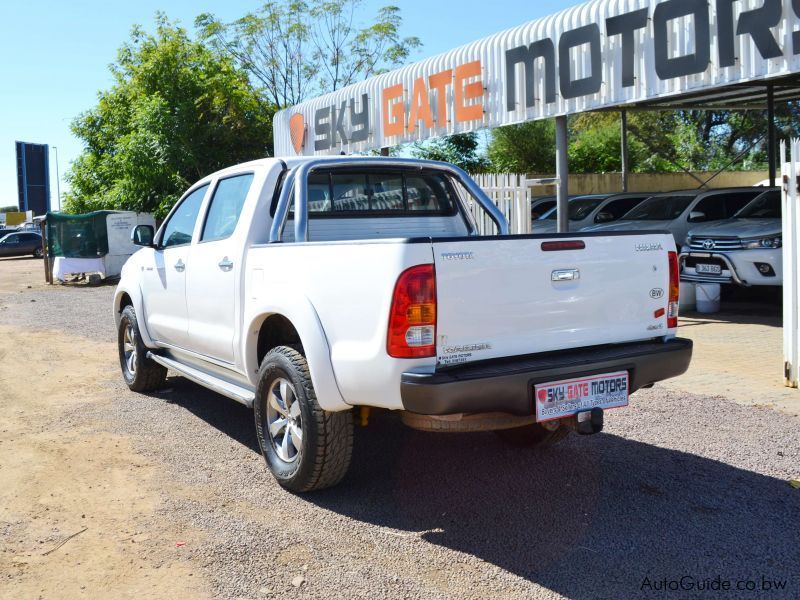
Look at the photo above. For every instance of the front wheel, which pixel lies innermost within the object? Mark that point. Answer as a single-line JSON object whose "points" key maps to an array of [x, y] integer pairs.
{"points": [[141, 373], [306, 447]]}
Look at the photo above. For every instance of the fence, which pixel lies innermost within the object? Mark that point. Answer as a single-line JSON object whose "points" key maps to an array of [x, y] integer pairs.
{"points": [[511, 195], [790, 176]]}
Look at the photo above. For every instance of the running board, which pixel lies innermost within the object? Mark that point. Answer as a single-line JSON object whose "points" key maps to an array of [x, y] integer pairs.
{"points": [[226, 388]]}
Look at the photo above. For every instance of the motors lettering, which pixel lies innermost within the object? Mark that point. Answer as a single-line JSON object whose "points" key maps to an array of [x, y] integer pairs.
{"points": [[654, 32]]}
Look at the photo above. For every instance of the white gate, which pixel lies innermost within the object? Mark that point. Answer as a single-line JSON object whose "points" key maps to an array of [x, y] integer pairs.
{"points": [[511, 195], [791, 273]]}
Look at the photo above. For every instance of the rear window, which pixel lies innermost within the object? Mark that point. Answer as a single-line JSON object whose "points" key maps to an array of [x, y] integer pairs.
{"points": [[659, 208], [339, 193]]}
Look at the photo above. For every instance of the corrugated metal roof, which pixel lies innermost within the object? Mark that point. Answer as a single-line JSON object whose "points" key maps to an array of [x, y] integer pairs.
{"points": [[584, 49]]}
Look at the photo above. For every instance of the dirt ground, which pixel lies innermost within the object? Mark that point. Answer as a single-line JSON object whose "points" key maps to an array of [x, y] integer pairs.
{"points": [[109, 494], [60, 476]]}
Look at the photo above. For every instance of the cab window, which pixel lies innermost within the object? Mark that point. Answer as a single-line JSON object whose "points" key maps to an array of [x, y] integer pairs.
{"points": [[179, 228], [226, 206]]}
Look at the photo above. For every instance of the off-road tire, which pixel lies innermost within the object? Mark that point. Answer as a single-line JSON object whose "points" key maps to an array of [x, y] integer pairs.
{"points": [[327, 440], [147, 374], [533, 436]]}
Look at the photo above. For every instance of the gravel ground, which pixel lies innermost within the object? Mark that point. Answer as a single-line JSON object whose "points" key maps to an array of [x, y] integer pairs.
{"points": [[677, 485]]}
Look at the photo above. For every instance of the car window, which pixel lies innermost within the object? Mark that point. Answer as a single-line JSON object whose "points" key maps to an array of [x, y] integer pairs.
{"points": [[390, 193], [30, 237], [11, 238], [541, 208], [617, 208], [659, 208], [765, 206], [180, 226], [226, 206], [723, 205], [579, 208]]}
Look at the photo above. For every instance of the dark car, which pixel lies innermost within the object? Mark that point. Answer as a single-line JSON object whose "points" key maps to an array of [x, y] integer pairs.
{"points": [[21, 244]]}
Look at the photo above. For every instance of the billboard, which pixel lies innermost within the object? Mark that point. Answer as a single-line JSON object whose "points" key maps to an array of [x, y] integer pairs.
{"points": [[601, 54], [33, 177]]}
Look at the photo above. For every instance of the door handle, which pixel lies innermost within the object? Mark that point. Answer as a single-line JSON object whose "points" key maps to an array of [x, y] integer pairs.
{"points": [[225, 264], [565, 275], [179, 266]]}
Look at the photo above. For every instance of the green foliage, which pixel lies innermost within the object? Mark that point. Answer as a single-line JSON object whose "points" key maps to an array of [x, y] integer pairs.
{"points": [[294, 49], [526, 148], [460, 149], [8, 209], [658, 141], [176, 112]]}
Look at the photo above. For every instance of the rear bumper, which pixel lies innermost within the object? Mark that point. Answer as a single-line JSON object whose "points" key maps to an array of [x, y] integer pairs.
{"points": [[507, 385]]}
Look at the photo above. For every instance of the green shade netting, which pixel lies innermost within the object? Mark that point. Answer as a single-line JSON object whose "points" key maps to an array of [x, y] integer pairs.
{"points": [[78, 236]]}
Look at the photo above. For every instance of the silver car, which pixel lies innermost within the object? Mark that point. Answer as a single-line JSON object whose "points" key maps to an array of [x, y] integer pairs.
{"points": [[745, 250], [585, 211], [677, 212]]}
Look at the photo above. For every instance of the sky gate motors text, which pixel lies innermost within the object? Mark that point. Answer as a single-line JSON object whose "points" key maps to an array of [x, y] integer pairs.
{"points": [[756, 24], [456, 93]]}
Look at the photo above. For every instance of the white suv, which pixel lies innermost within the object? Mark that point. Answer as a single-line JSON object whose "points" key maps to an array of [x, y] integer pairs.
{"points": [[745, 250]]}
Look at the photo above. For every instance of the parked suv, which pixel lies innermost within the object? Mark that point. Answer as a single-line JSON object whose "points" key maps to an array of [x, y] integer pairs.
{"points": [[745, 250], [677, 212], [585, 211]]}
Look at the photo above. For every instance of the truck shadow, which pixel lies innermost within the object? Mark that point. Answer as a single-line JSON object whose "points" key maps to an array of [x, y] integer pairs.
{"points": [[592, 517]]}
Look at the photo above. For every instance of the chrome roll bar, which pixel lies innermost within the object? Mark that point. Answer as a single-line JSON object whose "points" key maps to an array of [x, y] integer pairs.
{"points": [[297, 180]]}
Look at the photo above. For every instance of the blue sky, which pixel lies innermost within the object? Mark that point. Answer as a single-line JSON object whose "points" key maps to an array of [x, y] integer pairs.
{"points": [[55, 56]]}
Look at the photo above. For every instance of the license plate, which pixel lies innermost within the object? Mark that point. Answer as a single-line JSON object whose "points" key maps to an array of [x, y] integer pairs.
{"points": [[564, 398], [713, 269]]}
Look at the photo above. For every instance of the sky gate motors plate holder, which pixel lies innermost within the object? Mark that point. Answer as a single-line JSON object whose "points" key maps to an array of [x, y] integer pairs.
{"points": [[584, 397]]}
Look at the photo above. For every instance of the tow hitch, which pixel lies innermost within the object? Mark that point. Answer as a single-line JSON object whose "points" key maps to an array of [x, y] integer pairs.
{"points": [[589, 421]]}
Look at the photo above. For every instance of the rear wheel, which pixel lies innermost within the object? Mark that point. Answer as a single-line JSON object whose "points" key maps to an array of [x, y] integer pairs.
{"points": [[140, 373], [306, 447], [38, 253], [533, 435]]}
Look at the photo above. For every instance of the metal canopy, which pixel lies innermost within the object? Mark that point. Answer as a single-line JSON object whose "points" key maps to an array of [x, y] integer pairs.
{"points": [[752, 95]]}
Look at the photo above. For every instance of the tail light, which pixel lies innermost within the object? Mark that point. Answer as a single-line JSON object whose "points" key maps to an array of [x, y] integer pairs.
{"points": [[412, 319], [674, 291]]}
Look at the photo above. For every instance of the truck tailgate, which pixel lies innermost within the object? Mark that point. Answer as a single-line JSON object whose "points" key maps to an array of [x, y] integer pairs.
{"points": [[512, 296]]}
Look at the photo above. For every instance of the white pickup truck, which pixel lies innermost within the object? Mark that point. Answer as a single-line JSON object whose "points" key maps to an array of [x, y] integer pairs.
{"points": [[306, 287]]}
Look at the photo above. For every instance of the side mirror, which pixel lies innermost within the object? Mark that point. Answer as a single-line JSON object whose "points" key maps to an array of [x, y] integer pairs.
{"points": [[143, 235], [603, 217], [697, 215]]}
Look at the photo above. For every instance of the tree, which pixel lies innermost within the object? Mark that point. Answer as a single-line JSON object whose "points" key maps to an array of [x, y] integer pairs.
{"points": [[294, 49], [460, 149], [526, 148], [176, 112]]}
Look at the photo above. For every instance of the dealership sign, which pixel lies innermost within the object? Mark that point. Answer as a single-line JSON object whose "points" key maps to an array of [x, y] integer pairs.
{"points": [[597, 55]]}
